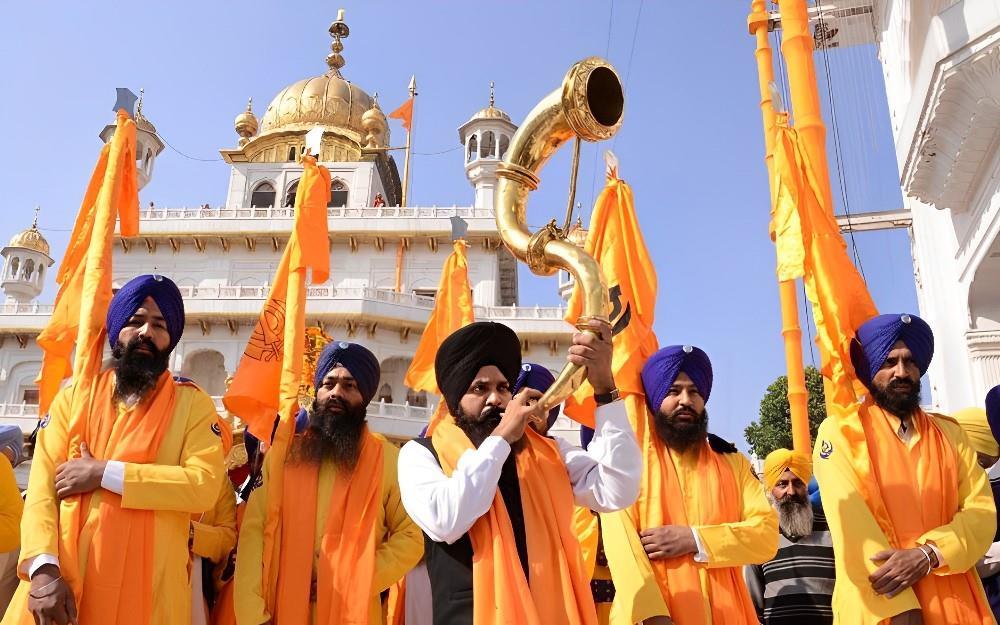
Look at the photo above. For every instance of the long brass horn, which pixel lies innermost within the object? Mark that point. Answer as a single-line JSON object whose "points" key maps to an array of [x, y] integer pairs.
{"points": [[589, 107]]}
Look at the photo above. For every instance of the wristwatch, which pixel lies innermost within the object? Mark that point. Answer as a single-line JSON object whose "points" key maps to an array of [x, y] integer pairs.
{"points": [[607, 398]]}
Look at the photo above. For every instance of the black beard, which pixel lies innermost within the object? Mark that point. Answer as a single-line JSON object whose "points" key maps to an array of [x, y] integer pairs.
{"points": [[137, 373], [478, 428], [331, 436], [679, 435], [895, 399]]}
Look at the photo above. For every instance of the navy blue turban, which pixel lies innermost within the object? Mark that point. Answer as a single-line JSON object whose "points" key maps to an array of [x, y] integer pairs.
{"points": [[357, 359], [993, 411], [876, 337], [460, 357], [130, 297], [538, 378], [662, 368]]}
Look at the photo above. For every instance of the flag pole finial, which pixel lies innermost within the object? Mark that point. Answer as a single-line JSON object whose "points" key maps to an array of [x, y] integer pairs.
{"points": [[492, 99]]}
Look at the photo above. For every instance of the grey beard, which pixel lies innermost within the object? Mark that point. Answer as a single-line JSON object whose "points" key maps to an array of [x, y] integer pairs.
{"points": [[795, 518]]}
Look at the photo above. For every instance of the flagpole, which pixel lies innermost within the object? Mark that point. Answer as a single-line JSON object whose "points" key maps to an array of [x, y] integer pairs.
{"points": [[791, 330], [409, 134]]}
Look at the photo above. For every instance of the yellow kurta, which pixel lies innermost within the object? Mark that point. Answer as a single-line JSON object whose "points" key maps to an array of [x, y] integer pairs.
{"points": [[215, 529], [11, 507], [184, 480], [752, 540], [857, 536], [399, 547]]}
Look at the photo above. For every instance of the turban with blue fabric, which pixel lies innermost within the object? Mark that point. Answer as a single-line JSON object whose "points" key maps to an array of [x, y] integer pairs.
{"points": [[993, 411], [130, 297], [663, 367], [876, 337], [538, 378], [358, 360]]}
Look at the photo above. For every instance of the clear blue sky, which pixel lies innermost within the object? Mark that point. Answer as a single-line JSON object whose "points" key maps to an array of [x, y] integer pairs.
{"points": [[691, 145]]}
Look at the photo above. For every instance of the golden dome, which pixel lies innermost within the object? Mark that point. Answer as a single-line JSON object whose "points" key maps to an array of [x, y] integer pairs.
{"points": [[491, 112], [376, 126], [246, 123], [577, 234], [31, 239], [326, 100]]}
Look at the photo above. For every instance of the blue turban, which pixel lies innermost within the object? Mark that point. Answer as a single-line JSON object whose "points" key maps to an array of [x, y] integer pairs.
{"points": [[357, 359], [993, 411], [876, 337], [130, 297], [586, 435], [12, 438], [539, 378], [662, 368]]}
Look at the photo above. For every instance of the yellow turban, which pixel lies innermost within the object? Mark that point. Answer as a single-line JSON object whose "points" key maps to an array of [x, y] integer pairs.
{"points": [[780, 459], [977, 428]]}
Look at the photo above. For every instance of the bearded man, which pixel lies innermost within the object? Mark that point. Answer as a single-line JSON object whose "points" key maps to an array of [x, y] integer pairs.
{"points": [[909, 508], [344, 535], [701, 514], [495, 498], [148, 458], [795, 587]]}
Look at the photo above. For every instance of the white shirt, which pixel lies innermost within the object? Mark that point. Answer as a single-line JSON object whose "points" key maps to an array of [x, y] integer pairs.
{"points": [[604, 478]]}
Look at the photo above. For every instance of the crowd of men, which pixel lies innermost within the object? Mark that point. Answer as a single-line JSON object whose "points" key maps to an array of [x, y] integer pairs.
{"points": [[486, 520]]}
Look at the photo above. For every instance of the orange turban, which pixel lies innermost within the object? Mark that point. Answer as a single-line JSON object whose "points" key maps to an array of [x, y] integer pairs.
{"points": [[780, 459]]}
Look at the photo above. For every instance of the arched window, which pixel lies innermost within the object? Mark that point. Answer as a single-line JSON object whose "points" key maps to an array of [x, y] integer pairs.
{"points": [[41, 268], [473, 148], [504, 144], [29, 268], [290, 194], [385, 393], [15, 263], [338, 194], [291, 154], [489, 145], [262, 196]]}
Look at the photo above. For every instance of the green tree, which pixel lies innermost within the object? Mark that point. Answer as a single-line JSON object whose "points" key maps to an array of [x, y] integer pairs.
{"points": [[773, 428]]}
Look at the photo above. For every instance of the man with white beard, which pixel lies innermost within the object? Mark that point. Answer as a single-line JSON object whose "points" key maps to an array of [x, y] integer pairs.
{"points": [[796, 586]]}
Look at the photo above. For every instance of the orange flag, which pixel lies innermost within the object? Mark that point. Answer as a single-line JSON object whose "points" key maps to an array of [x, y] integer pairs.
{"points": [[786, 226], [263, 381], [404, 113], [452, 311], [840, 297], [615, 240], [84, 275]]}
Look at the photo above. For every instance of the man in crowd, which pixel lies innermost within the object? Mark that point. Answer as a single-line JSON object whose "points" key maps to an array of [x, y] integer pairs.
{"points": [[492, 496], [909, 508], [344, 535], [702, 514], [135, 468], [11, 508], [794, 587]]}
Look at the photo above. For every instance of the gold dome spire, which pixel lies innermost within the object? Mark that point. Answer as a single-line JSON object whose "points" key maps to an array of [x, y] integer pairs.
{"points": [[491, 111], [31, 238], [246, 123]]}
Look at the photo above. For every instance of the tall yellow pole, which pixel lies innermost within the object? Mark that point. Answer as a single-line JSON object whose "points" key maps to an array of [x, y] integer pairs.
{"points": [[409, 133], [791, 331]]}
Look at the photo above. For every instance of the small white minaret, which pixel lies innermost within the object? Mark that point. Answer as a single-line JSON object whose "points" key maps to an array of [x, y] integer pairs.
{"points": [[147, 143], [25, 262], [486, 137]]}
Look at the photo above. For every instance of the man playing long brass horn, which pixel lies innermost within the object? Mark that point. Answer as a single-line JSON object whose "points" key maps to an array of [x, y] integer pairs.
{"points": [[492, 495]]}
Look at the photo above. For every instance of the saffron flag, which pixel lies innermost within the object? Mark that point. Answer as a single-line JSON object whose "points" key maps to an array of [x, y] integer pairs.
{"points": [[786, 226], [452, 311], [404, 113], [84, 275], [81, 307], [262, 382], [616, 241]]}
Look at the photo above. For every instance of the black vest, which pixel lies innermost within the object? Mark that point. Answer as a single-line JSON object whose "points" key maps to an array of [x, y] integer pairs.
{"points": [[450, 566]]}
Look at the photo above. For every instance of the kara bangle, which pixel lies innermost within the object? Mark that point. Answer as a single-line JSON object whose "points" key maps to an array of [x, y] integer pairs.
{"points": [[34, 596], [930, 564]]}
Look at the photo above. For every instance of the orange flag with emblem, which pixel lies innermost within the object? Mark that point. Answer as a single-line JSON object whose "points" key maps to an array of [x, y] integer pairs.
{"points": [[452, 311], [615, 240], [259, 386], [84, 275]]}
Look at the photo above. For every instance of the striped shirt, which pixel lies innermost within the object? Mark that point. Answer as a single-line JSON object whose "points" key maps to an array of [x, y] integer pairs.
{"points": [[796, 586]]}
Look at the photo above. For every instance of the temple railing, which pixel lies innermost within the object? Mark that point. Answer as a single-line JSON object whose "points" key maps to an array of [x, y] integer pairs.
{"points": [[361, 212]]}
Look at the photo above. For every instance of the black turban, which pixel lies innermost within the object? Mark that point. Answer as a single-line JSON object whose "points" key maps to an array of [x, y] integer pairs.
{"points": [[465, 352]]}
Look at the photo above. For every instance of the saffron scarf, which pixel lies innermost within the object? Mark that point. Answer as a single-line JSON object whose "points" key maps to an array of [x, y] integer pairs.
{"points": [[558, 592], [711, 496], [346, 565], [916, 487]]}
